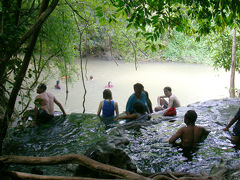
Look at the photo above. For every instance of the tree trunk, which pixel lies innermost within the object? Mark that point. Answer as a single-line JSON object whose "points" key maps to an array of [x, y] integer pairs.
{"points": [[21, 75], [5, 57], [232, 78]]}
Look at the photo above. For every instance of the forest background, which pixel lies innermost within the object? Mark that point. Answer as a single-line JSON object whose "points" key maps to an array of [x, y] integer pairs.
{"points": [[38, 35]]}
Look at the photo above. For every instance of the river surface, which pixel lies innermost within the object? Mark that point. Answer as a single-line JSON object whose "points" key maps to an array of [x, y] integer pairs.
{"points": [[189, 82]]}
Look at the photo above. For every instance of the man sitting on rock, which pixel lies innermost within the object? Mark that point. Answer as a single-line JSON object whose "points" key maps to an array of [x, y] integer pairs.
{"points": [[170, 106], [44, 105]]}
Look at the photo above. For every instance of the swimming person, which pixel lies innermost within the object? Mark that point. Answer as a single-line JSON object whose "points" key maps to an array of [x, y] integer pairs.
{"points": [[191, 134], [137, 96], [109, 85], [169, 106], [44, 105], [138, 115], [107, 107], [236, 129], [57, 85]]}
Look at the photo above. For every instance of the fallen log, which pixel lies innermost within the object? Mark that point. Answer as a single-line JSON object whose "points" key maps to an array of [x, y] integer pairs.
{"points": [[73, 159]]}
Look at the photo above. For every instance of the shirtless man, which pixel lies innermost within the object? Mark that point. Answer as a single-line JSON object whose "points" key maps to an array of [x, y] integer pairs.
{"points": [[44, 105], [190, 135], [163, 104]]}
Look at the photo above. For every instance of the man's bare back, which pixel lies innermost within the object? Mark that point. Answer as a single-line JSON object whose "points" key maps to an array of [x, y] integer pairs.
{"points": [[189, 135], [46, 101], [44, 105]]}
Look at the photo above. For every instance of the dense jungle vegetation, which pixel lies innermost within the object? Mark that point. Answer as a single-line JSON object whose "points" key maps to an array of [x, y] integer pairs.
{"points": [[37, 35]]}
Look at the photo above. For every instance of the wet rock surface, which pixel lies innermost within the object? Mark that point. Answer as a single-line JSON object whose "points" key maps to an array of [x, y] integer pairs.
{"points": [[144, 144]]}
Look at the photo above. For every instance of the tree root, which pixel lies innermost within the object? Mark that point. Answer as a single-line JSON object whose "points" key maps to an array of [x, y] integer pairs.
{"points": [[74, 159], [97, 166]]}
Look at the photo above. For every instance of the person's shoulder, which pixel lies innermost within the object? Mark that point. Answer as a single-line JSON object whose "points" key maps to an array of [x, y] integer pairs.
{"points": [[182, 129], [203, 129], [173, 97], [49, 94], [144, 95], [39, 96], [132, 96]]}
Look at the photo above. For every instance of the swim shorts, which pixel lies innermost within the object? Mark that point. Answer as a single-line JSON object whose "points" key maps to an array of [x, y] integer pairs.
{"points": [[170, 112], [43, 116]]}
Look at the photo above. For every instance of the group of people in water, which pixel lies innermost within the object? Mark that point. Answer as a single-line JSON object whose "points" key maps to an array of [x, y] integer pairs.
{"points": [[138, 108]]}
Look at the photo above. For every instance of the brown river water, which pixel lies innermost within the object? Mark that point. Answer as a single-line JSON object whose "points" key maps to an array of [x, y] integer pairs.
{"points": [[189, 82]]}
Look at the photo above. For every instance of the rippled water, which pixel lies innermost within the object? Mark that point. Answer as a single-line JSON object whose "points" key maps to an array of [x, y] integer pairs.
{"points": [[148, 147]]}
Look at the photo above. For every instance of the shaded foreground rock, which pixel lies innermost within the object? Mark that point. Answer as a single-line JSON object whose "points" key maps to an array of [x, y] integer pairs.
{"points": [[108, 154]]}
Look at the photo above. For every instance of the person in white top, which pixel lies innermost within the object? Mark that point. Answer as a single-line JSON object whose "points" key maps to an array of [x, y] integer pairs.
{"points": [[163, 104], [44, 105]]}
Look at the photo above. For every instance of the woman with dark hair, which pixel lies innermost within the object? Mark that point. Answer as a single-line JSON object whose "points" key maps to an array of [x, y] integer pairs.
{"points": [[108, 107]]}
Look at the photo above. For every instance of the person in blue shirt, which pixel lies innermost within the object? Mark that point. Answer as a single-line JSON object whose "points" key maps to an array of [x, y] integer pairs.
{"points": [[137, 96], [108, 107]]}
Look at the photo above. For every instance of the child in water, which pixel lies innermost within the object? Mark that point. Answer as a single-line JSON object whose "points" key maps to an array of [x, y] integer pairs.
{"points": [[138, 115], [108, 106], [190, 135]]}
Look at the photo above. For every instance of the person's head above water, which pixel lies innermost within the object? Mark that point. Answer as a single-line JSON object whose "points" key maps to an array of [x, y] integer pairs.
{"points": [[138, 88], [107, 94], [41, 88], [91, 77], [139, 108], [190, 117], [57, 82], [167, 91]]}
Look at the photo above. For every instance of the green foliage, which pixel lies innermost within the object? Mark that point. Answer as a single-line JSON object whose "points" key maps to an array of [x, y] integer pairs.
{"points": [[221, 50], [180, 47]]}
